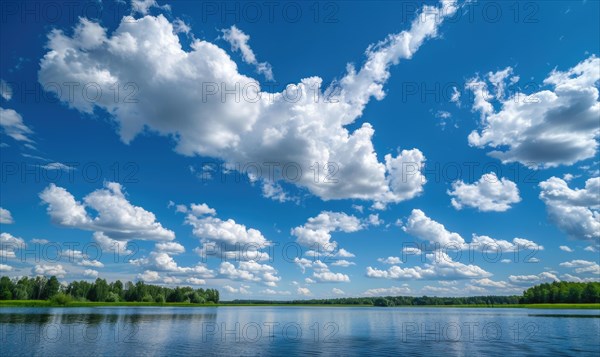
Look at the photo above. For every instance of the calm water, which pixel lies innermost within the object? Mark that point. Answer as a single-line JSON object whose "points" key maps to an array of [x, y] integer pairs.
{"points": [[276, 331]]}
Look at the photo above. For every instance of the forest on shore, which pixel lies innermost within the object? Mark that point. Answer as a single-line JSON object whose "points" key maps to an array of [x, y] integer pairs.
{"points": [[44, 288]]}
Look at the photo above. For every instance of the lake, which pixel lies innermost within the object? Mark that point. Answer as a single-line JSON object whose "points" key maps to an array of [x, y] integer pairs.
{"points": [[277, 331]]}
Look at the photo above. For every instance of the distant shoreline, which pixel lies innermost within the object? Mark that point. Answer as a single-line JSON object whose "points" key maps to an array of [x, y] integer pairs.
{"points": [[45, 303]]}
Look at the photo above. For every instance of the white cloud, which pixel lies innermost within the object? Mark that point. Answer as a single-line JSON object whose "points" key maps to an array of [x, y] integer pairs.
{"points": [[273, 128], [225, 238], [303, 291], [337, 291], [394, 290], [274, 191], [343, 253], [321, 272], [57, 166], [144, 6], [423, 227], [239, 42], [330, 277], [455, 96], [91, 263], [250, 271], [90, 273], [487, 194], [316, 232], [6, 91], [574, 211], [488, 244], [8, 244], [195, 281], [440, 266], [179, 26], [49, 270], [551, 127], [342, 263], [486, 282], [359, 208], [170, 247], [108, 244], [530, 280], [6, 216], [162, 262], [577, 279], [582, 266], [590, 248], [498, 79], [4, 267], [12, 124], [411, 250], [116, 219], [202, 209], [566, 249], [241, 290], [149, 276], [374, 220], [390, 260], [274, 292]]}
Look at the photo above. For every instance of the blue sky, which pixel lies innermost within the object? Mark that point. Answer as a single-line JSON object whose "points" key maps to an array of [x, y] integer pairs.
{"points": [[467, 130]]}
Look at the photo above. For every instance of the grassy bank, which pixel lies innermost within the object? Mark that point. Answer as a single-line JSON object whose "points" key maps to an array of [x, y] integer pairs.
{"points": [[46, 303]]}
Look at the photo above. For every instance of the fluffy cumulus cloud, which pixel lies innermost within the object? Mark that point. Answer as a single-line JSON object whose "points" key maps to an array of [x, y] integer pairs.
{"points": [[225, 238], [49, 269], [144, 6], [488, 244], [239, 42], [425, 228], [321, 272], [243, 289], [582, 266], [178, 93], [303, 291], [530, 280], [116, 219], [552, 127], [5, 216], [574, 211], [5, 267], [163, 262], [250, 271], [488, 194], [440, 266], [90, 273], [391, 260], [8, 245], [170, 247], [316, 232]]}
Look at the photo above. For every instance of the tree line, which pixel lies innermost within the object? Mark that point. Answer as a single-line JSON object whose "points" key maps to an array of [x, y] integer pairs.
{"points": [[556, 292], [394, 301], [43, 288], [562, 292]]}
